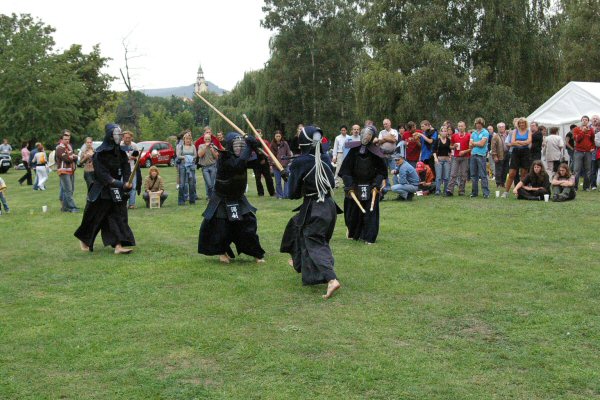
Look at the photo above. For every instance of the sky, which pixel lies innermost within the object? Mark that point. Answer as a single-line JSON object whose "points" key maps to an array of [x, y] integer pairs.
{"points": [[167, 41]]}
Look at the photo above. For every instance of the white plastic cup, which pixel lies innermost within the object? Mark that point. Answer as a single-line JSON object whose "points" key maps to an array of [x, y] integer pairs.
{"points": [[44, 208], [497, 193], [546, 197]]}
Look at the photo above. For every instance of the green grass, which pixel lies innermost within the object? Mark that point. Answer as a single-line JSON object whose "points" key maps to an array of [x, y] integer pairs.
{"points": [[458, 299]]}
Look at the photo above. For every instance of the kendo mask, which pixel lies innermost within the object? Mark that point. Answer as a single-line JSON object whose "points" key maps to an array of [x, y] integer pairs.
{"points": [[367, 134], [310, 136], [117, 134], [235, 143]]}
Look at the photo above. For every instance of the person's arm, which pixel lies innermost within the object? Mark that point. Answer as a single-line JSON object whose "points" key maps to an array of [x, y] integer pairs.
{"points": [[425, 138], [519, 186]]}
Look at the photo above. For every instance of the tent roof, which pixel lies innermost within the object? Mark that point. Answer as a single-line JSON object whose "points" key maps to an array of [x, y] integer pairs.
{"points": [[569, 104]]}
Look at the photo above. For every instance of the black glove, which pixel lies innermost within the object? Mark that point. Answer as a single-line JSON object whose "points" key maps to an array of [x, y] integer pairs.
{"points": [[252, 142], [285, 175]]}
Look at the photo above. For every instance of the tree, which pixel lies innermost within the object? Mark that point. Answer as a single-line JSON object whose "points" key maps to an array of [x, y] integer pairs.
{"points": [[580, 35]]}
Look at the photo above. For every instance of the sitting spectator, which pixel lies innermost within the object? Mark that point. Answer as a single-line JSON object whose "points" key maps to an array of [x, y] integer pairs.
{"points": [[426, 178], [406, 179], [2, 198], [535, 184], [154, 184], [563, 184]]}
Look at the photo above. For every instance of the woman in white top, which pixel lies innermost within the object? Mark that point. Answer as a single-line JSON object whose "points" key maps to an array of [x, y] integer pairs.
{"points": [[41, 168]]}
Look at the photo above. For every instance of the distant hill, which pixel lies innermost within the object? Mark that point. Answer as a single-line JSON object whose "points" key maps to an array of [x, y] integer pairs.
{"points": [[181, 91]]}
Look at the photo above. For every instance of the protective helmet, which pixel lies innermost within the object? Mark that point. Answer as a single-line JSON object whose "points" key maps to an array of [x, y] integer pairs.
{"points": [[310, 136], [234, 143], [367, 135]]}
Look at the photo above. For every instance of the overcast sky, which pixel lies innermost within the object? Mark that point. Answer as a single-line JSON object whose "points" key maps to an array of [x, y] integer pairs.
{"points": [[169, 39]]}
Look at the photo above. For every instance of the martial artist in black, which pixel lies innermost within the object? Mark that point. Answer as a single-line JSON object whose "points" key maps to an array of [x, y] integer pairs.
{"points": [[363, 171], [307, 234], [229, 217], [106, 208]]}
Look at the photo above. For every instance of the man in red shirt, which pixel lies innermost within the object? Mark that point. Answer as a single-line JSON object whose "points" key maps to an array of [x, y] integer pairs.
{"points": [[412, 138], [584, 152], [460, 160]]}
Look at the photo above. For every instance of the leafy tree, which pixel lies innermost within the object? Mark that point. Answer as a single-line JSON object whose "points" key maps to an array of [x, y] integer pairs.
{"points": [[580, 35]]}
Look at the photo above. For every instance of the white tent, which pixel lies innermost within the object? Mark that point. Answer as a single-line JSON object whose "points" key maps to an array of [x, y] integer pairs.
{"points": [[568, 105]]}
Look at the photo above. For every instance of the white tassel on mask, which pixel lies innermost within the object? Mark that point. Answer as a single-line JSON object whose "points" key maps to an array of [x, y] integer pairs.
{"points": [[322, 181]]}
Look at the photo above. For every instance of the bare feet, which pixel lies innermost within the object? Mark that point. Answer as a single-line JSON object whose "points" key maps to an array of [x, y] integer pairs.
{"points": [[84, 247], [260, 260], [224, 258], [332, 286], [291, 263], [122, 250]]}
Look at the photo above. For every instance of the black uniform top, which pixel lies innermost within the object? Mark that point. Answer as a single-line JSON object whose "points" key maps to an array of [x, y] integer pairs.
{"points": [[359, 169], [302, 177], [111, 169], [230, 184]]}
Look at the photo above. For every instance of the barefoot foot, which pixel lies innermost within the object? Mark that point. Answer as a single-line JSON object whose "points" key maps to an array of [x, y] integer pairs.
{"points": [[224, 258], [122, 250], [84, 247], [291, 263], [260, 260], [332, 286]]}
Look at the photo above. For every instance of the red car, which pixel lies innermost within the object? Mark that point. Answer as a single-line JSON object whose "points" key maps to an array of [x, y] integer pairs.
{"points": [[155, 152]]}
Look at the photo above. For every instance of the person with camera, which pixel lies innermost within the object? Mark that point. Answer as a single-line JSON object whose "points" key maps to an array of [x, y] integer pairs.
{"points": [[208, 153]]}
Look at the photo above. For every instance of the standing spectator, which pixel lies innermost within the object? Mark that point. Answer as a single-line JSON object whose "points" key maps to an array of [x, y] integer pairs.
{"points": [[41, 166], [597, 143], [426, 178], [406, 179], [412, 138], [441, 156], [387, 140], [428, 136], [460, 162], [259, 162], [221, 137], [338, 151], [3, 197], [521, 158], [553, 147], [584, 152], [208, 154], [281, 150], [154, 184], [65, 167], [537, 138], [32, 165], [86, 159], [25, 153], [570, 145], [595, 160], [186, 155], [498, 153], [563, 184], [5, 147], [294, 143], [491, 165], [354, 137], [132, 151], [479, 149], [535, 184]]}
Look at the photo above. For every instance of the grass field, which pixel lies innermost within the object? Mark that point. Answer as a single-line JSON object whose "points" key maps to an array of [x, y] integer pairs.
{"points": [[459, 299]]}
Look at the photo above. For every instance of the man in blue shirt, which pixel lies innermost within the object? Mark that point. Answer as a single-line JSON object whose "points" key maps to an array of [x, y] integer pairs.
{"points": [[406, 179], [479, 147]]}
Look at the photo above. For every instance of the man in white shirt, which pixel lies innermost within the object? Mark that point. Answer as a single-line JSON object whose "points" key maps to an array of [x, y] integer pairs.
{"points": [[5, 148], [388, 138], [338, 151]]}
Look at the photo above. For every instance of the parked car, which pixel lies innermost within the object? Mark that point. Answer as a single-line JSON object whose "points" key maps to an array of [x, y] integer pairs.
{"points": [[5, 163], [155, 153]]}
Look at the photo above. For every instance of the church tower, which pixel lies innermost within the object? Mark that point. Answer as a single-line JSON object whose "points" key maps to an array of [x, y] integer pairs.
{"points": [[200, 86]]}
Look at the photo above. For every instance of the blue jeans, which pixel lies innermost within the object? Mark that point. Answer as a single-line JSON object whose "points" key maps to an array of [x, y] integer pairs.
{"points": [[210, 175], [442, 174], [187, 184], [391, 164], [67, 187], [279, 184], [404, 189], [4, 203], [132, 192], [582, 166], [478, 171]]}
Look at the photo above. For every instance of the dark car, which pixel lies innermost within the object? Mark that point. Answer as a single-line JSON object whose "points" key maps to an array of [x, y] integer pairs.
{"points": [[155, 153], [5, 163]]}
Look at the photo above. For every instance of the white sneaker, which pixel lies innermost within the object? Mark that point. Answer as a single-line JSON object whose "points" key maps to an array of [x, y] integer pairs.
{"points": [[505, 195]]}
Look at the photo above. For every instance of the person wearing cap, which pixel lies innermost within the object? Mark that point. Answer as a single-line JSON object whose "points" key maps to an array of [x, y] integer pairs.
{"points": [[406, 179], [106, 208], [363, 172], [307, 234], [426, 178]]}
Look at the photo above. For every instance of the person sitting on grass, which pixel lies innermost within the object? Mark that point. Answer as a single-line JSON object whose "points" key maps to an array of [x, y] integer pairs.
{"points": [[426, 178], [535, 184], [563, 184], [154, 184]]}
